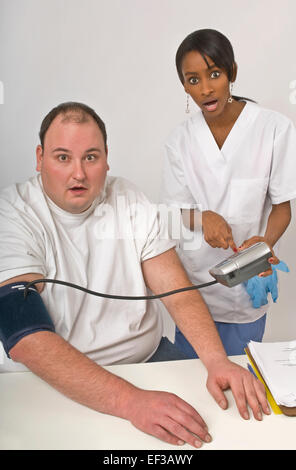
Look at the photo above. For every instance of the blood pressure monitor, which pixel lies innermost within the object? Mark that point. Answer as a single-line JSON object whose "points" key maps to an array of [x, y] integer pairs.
{"points": [[242, 265]]}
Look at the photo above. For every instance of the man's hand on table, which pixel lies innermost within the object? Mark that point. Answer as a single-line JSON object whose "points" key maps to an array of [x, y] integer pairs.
{"points": [[167, 417], [246, 388]]}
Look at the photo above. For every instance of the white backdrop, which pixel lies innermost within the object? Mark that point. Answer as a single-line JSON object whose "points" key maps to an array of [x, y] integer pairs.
{"points": [[118, 57]]}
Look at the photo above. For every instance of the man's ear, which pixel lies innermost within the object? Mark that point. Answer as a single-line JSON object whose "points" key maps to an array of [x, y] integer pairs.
{"points": [[106, 150], [39, 157]]}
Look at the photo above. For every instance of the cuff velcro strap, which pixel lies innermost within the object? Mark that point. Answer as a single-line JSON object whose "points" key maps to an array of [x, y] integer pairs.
{"points": [[21, 316]]}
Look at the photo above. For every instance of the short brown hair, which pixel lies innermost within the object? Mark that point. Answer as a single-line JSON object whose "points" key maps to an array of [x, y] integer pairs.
{"points": [[72, 110]]}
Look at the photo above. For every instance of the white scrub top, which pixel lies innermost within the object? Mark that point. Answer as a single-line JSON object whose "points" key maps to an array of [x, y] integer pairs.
{"points": [[255, 168]]}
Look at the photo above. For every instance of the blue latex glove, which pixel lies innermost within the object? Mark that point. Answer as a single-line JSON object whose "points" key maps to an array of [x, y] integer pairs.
{"points": [[259, 287]]}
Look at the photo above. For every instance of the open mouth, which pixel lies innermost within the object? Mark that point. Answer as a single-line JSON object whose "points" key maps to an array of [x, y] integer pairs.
{"points": [[78, 189], [211, 105]]}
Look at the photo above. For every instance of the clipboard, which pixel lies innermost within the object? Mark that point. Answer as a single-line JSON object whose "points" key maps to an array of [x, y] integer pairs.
{"points": [[277, 409]]}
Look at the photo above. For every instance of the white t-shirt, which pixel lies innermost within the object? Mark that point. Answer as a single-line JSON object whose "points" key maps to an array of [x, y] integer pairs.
{"points": [[255, 168], [100, 249]]}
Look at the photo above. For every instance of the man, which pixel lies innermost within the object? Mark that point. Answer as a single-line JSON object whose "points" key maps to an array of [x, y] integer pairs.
{"points": [[73, 223]]}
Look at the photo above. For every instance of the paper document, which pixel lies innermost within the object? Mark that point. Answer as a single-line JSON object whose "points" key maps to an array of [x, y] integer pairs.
{"points": [[277, 365]]}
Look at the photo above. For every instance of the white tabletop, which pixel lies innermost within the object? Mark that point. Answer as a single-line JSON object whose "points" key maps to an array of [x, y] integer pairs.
{"points": [[35, 416]]}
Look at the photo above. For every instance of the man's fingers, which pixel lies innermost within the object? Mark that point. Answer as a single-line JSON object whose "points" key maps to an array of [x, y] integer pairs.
{"points": [[247, 395], [168, 417], [216, 391], [253, 401], [178, 426], [247, 392], [256, 397], [189, 410], [186, 423], [240, 398], [261, 395], [250, 392], [164, 435], [191, 433]]}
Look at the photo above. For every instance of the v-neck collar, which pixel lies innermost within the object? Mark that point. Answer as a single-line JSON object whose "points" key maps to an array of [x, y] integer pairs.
{"points": [[208, 142]]}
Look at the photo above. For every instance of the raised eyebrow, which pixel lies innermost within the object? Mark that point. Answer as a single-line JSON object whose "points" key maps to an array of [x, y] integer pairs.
{"points": [[196, 74], [64, 150], [61, 149], [93, 149], [191, 73]]}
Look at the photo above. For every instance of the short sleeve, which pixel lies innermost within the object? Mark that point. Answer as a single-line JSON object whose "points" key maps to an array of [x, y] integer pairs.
{"points": [[20, 251], [154, 236], [142, 224], [282, 186], [174, 190], [158, 240]]}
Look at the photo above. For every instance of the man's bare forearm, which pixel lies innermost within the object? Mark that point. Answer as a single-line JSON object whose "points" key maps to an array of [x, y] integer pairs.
{"points": [[193, 319], [188, 309], [72, 373]]}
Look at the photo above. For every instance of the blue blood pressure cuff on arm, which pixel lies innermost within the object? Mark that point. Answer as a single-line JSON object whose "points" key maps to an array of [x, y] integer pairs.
{"points": [[20, 316]]}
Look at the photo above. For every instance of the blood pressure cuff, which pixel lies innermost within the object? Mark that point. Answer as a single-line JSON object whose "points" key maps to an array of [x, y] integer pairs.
{"points": [[20, 316]]}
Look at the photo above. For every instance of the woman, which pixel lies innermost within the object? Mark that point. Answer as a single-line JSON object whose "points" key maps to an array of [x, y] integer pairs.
{"points": [[236, 162]]}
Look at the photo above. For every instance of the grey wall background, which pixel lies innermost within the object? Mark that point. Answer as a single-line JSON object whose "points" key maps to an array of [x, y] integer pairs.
{"points": [[118, 56]]}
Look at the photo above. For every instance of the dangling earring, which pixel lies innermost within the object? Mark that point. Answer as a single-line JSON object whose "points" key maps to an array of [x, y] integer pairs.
{"points": [[187, 110], [230, 99]]}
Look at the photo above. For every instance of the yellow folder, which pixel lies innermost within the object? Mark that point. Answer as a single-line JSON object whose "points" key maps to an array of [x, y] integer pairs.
{"points": [[275, 408]]}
